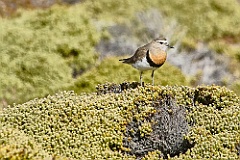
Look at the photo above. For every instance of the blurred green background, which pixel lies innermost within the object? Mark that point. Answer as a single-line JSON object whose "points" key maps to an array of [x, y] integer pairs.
{"points": [[47, 45]]}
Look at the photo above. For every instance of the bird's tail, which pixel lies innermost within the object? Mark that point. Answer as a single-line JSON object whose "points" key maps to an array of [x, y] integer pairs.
{"points": [[124, 60]]}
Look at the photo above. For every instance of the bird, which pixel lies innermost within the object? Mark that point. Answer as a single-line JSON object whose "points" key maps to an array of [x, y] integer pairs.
{"points": [[150, 56]]}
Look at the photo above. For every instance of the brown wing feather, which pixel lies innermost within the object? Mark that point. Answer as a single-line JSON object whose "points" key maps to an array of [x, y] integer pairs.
{"points": [[138, 55]]}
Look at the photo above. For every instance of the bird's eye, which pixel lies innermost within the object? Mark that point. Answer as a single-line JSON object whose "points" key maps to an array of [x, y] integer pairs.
{"points": [[161, 42]]}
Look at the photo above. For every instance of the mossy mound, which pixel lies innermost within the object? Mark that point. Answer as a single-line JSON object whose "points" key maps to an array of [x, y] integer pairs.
{"points": [[66, 31], [14, 144], [33, 74], [111, 69], [41, 50], [94, 126]]}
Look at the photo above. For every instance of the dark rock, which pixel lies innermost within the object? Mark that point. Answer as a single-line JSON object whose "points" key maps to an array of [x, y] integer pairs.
{"points": [[168, 129]]}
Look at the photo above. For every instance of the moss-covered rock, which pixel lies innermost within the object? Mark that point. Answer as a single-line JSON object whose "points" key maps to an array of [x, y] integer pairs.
{"points": [[94, 126], [162, 130]]}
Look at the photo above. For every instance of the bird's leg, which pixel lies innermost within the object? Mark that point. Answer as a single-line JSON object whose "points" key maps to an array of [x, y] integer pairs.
{"points": [[141, 78], [152, 77]]}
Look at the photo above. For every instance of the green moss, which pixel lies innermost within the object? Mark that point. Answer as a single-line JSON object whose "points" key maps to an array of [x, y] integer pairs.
{"points": [[92, 126], [116, 11], [15, 145], [155, 155], [41, 49], [145, 129], [112, 70], [67, 126], [67, 31], [34, 74], [204, 17]]}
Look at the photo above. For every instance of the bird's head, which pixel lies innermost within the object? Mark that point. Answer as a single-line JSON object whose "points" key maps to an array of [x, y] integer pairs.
{"points": [[162, 43]]}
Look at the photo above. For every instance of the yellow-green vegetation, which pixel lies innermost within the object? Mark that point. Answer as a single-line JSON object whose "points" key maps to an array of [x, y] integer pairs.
{"points": [[145, 129], [30, 74], [66, 31], [111, 69], [40, 50], [116, 11], [236, 88], [205, 20], [16, 145], [93, 126]]}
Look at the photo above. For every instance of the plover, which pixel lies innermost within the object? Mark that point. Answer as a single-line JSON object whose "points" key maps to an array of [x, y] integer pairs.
{"points": [[151, 56]]}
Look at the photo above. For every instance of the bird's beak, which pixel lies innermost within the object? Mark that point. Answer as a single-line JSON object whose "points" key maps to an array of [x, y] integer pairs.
{"points": [[170, 46]]}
